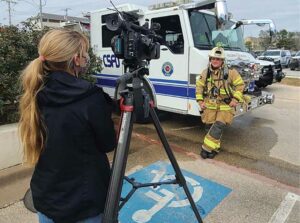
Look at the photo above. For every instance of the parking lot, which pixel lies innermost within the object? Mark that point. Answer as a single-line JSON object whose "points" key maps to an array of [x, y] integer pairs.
{"points": [[291, 73], [255, 178]]}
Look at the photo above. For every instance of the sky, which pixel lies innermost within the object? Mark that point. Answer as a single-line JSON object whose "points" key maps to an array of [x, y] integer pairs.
{"points": [[284, 13]]}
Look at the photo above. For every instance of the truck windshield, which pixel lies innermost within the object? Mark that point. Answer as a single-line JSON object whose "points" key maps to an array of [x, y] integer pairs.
{"points": [[206, 35], [272, 53]]}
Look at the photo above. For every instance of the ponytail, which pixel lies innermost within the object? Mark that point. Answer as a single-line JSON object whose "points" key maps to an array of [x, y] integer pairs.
{"points": [[31, 128], [57, 49]]}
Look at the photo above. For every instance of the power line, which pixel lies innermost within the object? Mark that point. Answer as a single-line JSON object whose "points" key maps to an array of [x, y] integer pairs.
{"points": [[41, 11], [66, 10], [40, 5], [9, 2]]}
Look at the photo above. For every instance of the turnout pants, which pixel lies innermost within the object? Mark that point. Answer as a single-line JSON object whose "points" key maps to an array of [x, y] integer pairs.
{"points": [[219, 119]]}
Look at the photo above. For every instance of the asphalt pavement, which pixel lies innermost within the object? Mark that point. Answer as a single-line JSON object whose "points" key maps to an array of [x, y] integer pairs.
{"points": [[291, 73]]}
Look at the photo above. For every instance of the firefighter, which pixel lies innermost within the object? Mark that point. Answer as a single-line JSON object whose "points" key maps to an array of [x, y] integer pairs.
{"points": [[218, 92]]}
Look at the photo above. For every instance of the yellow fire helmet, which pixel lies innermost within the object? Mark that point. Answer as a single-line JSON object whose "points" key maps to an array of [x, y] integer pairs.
{"points": [[217, 52]]}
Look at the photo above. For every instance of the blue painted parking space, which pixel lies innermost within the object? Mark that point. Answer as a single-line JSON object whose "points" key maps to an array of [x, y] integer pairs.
{"points": [[168, 203]]}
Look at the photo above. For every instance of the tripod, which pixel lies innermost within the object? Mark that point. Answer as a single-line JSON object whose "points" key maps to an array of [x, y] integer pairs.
{"points": [[133, 98]]}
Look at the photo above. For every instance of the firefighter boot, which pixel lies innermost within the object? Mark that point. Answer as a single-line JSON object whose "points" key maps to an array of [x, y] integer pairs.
{"points": [[210, 155]]}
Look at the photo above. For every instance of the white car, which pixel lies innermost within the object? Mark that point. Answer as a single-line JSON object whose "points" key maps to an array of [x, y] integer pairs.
{"points": [[295, 61], [283, 55]]}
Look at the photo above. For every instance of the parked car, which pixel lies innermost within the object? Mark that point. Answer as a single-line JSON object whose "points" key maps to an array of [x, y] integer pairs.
{"points": [[271, 72], [283, 55], [258, 53], [293, 53], [295, 61]]}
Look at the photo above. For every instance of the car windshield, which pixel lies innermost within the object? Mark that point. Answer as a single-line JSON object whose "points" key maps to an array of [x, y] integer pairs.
{"points": [[206, 35], [297, 54], [272, 53]]}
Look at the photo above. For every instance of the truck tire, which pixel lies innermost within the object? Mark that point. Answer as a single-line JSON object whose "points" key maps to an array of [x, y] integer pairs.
{"points": [[261, 84]]}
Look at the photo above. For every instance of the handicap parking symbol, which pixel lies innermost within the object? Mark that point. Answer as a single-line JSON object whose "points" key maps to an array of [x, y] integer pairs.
{"points": [[168, 203]]}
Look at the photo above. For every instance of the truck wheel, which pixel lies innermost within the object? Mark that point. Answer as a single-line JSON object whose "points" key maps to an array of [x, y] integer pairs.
{"points": [[147, 88], [161, 115], [142, 120], [261, 84]]}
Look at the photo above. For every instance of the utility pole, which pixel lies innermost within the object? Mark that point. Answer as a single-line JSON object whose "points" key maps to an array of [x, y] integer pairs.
{"points": [[9, 2], [41, 17], [66, 16]]}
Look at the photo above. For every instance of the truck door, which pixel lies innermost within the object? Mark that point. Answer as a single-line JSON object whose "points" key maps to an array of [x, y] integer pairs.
{"points": [[169, 73], [283, 57]]}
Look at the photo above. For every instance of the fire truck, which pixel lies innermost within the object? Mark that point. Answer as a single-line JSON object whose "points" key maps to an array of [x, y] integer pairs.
{"points": [[189, 30]]}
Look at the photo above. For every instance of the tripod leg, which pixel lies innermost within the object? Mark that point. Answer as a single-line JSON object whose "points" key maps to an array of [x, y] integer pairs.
{"points": [[118, 170], [179, 175]]}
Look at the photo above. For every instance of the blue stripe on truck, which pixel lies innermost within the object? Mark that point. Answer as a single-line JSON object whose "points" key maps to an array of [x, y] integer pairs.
{"points": [[171, 89]]}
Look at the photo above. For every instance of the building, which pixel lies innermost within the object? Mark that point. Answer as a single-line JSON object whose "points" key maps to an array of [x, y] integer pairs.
{"points": [[57, 21], [255, 43]]}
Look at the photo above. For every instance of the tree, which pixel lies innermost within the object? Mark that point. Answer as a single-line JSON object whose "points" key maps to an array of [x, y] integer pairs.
{"points": [[265, 41], [297, 41], [285, 40], [18, 46], [249, 44]]}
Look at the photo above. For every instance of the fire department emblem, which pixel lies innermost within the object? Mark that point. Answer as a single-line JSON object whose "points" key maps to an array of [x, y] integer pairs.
{"points": [[167, 69]]}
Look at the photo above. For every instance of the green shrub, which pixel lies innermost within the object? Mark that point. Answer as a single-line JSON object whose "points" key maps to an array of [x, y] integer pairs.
{"points": [[18, 46]]}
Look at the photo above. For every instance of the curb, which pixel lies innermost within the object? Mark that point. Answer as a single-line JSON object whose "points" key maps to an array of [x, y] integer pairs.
{"points": [[15, 173]]}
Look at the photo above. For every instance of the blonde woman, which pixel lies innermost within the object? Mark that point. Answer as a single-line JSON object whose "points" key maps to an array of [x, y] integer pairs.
{"points": [[66, 131]]}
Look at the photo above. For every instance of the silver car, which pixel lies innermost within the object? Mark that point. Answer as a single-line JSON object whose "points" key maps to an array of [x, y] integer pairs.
{"points": [[283, 55]]}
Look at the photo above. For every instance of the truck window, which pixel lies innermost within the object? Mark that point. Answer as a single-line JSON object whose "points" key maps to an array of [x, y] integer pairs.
{"points": [[202, 26], [171, 33], [107, 35], [206, 35]]}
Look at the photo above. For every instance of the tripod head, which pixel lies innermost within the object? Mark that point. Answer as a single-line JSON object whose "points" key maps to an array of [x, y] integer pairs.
{"points": [[136, 90]]}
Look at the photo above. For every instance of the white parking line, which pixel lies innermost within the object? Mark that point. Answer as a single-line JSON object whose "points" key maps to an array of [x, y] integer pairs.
{"points": [[285, 208], [186, 128]]}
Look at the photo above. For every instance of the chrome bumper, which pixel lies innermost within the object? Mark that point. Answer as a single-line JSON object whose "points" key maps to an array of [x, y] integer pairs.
{"points": [[256, 102], [268, 98]]}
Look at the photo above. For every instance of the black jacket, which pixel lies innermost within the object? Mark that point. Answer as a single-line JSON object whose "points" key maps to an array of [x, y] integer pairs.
{"points": [[71, 178]]}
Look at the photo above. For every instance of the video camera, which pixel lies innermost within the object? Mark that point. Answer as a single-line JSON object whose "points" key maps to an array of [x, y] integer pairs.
{"points": [[135, 42]]}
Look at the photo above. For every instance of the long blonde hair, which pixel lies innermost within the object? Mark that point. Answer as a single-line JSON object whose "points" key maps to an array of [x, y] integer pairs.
{"points": [[57, 49]]}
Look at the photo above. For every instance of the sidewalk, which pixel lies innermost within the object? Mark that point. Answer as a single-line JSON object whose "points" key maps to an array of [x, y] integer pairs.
{"points": [[14, 182]]}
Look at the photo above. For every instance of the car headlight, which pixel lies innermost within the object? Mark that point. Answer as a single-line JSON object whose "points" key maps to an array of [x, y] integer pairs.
{"points": [[277, 61], [259, 67], [268, 68]]}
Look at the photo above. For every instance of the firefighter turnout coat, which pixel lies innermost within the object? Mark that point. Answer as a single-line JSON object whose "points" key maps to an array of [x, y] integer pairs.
{"points": [[217, 88]]}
